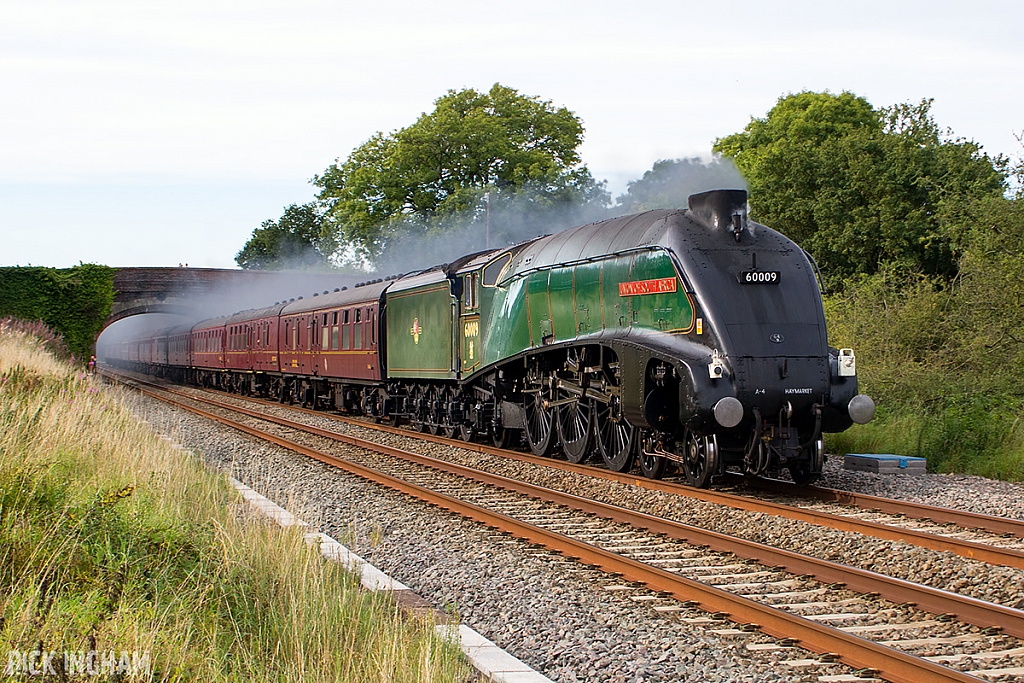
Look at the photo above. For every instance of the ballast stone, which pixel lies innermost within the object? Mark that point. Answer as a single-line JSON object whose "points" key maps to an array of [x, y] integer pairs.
{"points": [[884, 463]]}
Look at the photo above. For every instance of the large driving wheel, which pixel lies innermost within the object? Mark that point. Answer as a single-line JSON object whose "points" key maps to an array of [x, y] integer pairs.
{"points": [[540, 424], [700, 459], [575, 430], [616, 437]]}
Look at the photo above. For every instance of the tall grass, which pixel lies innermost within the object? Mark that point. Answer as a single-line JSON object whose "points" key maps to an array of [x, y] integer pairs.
{"points": [[112, 540]]}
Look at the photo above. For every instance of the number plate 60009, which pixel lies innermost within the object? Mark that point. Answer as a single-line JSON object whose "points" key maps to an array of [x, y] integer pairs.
{"points": [[759, 277]]}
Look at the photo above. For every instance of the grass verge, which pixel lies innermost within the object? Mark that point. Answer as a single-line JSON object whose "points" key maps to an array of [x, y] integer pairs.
{"points": [[112, 542]]}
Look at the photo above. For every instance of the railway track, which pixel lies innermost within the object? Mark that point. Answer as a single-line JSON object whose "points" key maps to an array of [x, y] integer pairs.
{"points": [[985, 538], [795, 598]]}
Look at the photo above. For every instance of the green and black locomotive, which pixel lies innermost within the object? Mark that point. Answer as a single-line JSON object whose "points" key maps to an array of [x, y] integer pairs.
{"points": [[695, 337]]}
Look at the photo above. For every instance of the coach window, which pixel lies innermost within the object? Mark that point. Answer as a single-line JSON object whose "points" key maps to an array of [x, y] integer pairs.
{"points": [[373, 326], [334, 331], [346, 332], [357, 330]]}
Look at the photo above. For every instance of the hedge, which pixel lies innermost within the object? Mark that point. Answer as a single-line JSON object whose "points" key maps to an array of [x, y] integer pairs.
{"points": [[74, 301]]}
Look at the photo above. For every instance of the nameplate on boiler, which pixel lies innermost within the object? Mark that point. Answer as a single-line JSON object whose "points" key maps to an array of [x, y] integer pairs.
{"points": [[664, 285]]}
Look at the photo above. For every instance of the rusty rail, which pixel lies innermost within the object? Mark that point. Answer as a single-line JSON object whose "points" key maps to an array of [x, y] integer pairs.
{"points": [[981, 552], [855, 651], [961, 518]]}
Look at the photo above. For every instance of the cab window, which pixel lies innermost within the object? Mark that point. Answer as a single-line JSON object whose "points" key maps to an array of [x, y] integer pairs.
{"points": [[493, 270]]}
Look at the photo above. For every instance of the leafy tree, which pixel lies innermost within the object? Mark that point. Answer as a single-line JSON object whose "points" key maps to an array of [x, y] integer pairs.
{"points": [[442, 166], [670, 182], [860, 187], [301, 239]]}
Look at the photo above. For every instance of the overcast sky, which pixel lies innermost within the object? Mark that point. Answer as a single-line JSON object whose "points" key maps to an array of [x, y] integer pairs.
{"points": [[155, 133]]}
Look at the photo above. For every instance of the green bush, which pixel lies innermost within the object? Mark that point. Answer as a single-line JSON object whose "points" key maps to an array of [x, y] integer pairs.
{"points": [[73, 301], [944, 359]]}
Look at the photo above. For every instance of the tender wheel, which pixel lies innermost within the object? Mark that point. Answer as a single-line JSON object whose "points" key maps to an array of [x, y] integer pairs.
{"points": [[701, 460], [416, 418], [448, 425], [540, 425], [616, 437], [652, 466], [435, 398], [466, 432], [807, 472], [575, 430]]}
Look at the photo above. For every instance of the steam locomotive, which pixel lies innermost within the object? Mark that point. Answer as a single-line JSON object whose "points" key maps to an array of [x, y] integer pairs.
{"points": [[693, 337]]}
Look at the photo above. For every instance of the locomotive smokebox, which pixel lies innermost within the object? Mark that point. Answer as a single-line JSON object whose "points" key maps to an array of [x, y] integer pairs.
{"points": [[721, 210]]}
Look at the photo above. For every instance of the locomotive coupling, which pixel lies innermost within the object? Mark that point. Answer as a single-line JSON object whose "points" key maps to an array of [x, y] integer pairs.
{"points": [[861, 409]]}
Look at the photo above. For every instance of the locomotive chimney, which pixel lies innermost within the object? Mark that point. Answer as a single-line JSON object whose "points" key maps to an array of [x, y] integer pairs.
{"points": [[721, 210]]}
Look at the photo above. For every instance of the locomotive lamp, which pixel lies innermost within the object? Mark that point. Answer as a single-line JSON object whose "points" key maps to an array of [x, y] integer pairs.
{"points": [[847, 363], [716, 368]]}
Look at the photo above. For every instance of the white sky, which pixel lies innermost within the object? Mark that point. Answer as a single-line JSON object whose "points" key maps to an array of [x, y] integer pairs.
{"points": [[153, 133]]}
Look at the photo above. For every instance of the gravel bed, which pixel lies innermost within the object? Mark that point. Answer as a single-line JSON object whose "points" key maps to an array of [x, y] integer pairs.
{"points": [[942, 570], [956, 491], [551, 613]]}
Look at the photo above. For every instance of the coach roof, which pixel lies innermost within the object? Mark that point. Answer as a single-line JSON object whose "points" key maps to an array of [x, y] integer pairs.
{"points": [[366, 294]]}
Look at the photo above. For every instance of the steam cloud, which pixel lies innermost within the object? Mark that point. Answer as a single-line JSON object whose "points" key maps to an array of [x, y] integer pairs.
{"points": [[417, 244]]}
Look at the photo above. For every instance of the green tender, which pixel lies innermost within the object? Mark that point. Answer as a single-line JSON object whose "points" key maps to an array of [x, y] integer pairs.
{"points": [[420, 341]]}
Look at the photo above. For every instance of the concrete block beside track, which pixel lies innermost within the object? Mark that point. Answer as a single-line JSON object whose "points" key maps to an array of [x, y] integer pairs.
{"points": [[884, 463]]}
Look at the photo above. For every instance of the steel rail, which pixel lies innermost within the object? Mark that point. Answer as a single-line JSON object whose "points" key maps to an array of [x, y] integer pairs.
{"points": [[891, 664], [970, 610], [982, 552], [969, 520]]}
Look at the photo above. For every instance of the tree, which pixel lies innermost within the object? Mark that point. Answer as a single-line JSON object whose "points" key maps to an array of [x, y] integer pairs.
{"points": [[670, 182], [301, 239], [860, 187], [443, 165]]}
